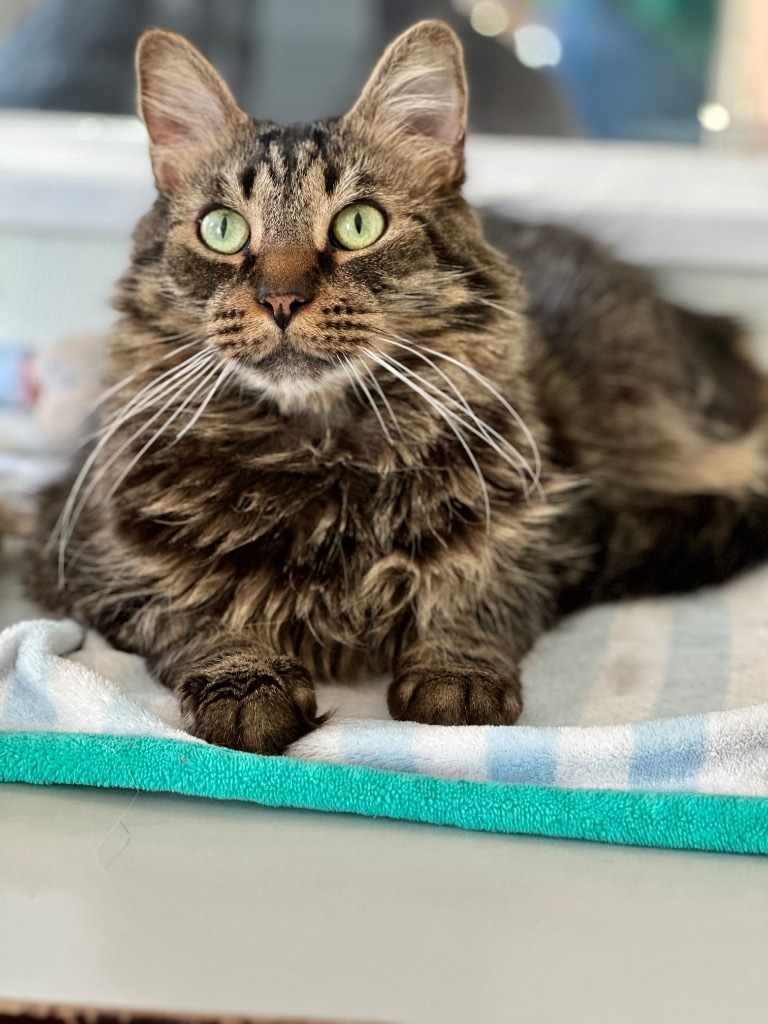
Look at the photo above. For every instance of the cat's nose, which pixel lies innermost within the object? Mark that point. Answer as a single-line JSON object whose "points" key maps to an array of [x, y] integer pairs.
{"points": [[282, 306]]}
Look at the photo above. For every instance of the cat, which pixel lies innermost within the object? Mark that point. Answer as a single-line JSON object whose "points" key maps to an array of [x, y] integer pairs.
{"points": [[351, 427]]}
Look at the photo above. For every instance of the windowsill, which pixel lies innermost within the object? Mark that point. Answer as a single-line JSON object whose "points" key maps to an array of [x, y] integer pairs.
{"points": [[656, 204]]}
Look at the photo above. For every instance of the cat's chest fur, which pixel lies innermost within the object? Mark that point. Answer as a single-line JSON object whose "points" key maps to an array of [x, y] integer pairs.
{"points": [[315, 545]]}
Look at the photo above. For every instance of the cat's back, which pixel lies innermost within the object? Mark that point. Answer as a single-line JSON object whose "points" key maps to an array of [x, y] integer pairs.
{"points": [[607, 340]]}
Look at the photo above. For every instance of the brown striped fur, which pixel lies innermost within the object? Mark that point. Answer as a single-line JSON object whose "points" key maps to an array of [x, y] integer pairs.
{"points": [[280, 514]]}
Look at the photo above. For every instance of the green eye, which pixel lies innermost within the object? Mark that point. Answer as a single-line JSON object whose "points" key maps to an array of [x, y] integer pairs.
{"points": [[357, 226], [224, 231]]}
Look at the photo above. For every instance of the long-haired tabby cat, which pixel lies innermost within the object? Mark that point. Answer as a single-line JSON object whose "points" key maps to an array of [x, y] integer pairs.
{"points": [[344, 434]]}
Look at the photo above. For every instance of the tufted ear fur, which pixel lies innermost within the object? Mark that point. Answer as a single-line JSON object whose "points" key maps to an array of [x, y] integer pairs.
{"points": [[416, 101], [185, 105]]}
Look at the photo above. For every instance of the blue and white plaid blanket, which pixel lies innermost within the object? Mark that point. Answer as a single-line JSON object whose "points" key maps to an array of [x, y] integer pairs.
{"points": [[668, 694]]}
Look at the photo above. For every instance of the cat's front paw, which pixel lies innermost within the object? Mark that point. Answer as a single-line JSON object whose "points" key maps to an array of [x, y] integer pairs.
{"points": [[455, 694], [257, 704]]}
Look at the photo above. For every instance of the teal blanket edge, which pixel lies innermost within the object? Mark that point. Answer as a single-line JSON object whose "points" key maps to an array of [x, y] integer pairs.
{"points": [[695, 821]]}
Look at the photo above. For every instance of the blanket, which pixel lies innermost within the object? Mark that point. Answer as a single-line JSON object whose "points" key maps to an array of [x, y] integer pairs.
{"points": [[645, 722]]}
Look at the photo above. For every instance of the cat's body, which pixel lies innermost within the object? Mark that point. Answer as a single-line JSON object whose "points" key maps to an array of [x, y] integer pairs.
{"points": [[321, 460]]}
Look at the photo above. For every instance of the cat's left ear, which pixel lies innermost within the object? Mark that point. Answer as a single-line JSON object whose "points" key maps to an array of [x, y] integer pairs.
{"points": [[187, 108], [416, 102]]}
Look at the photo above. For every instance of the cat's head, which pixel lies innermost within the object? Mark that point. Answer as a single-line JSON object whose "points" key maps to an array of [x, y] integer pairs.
{"points": [[296, 251]]}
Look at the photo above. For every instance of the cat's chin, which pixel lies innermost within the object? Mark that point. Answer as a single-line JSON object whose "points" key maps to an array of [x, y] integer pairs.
{"points": [[300, 382]]}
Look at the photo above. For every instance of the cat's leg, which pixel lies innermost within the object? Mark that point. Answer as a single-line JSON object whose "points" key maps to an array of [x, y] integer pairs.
{"points": [[237, 693], [234, 691], [466, 678], [459, 663]]}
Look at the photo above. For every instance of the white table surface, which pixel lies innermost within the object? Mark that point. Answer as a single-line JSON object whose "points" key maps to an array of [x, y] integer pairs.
{"points": [[163, 901]]}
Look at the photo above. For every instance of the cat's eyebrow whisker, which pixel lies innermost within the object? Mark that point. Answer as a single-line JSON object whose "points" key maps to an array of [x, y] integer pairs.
{"points": [[511, 313], [449, 419], [488, 433]]}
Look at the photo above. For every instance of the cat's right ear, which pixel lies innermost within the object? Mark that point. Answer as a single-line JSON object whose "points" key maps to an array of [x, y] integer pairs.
{"points": [[185, 105]]}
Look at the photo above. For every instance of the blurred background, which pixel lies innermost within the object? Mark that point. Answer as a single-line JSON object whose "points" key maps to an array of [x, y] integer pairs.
{"points": [[665, 70]]}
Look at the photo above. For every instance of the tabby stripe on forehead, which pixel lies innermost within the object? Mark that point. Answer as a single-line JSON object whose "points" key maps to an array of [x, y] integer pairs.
{"points": [[265, 158], [290, 159], [330, 177], [318, 137], [246, 181]]}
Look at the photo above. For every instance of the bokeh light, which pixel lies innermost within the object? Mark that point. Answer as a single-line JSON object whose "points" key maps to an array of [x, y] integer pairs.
{"points": [[489, 18], [713, 117], [537, 46]]}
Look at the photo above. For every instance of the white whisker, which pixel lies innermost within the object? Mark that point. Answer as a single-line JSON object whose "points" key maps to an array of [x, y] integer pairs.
{"points": [[371, 401], [476, 426], [105, 395], [385, 400], [517, 461], [347, 367], [449, 419], [536, 474], [179, 377], [161, 384], [62, 526], [511, 313], [144, 397], [227, 371], [207, 373]]}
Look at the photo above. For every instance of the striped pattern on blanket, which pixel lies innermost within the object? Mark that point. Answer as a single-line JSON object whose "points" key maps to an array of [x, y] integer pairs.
{"points": [[665, 694]]}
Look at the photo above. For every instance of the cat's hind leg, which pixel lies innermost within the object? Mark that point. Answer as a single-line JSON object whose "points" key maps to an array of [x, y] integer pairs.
{"points": [[672, 546]]}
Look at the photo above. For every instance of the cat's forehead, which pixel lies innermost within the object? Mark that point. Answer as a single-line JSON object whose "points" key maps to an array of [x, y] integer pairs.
{"points": [[290, 176], [285, 153]]}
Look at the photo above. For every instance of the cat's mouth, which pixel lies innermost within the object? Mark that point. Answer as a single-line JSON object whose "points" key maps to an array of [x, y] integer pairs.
{"points": [[290, 376], [288, 363]]}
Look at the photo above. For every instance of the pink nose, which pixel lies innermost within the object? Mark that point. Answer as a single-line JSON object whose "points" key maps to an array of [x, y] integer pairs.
{"points": [[283, 307]]}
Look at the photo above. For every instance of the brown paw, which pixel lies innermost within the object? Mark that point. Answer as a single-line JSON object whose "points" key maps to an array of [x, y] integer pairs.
{"points": [[257, 704], [455, 695]]}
